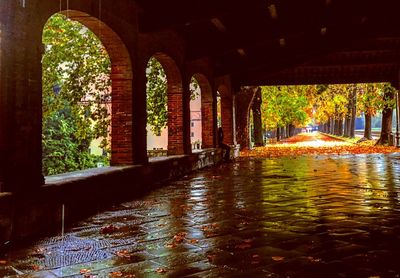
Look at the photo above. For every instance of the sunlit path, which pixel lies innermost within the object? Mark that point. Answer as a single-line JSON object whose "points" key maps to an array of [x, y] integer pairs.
{"points": [[316, 144]]}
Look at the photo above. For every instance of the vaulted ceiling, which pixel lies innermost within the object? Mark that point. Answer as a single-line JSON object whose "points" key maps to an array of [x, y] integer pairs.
{"points": [[286, 41]]}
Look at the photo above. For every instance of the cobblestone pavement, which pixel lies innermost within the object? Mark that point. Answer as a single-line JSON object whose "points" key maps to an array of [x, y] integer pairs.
{"points": [[310, 216]]}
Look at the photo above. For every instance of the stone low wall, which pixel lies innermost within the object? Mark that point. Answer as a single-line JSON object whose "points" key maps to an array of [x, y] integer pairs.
{"points": [[83, 193]]}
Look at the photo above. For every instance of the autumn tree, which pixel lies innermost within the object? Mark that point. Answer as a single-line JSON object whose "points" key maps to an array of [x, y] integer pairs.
{"points": [[387, 112], [370, 102], [283, 106]]}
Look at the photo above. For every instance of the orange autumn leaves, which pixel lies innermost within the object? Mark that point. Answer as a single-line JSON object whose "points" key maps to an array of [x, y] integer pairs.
{"points": [[316, 144]]}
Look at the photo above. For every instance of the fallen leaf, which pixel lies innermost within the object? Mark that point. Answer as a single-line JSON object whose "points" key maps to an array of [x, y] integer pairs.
{"points": [[123, 254], [211, 257], [161, 270], [278, 258], [84, 271], [109, 229], [3, 262], [243, 246], [115, 274], [194, 241], [36, 267], [314, 260]]}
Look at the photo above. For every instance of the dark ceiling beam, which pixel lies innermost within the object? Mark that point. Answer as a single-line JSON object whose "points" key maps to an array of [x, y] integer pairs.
{"points": [[385, 72]]}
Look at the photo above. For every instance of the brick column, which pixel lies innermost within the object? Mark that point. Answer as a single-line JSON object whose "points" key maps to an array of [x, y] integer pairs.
{"points": [[207, 113], [21, 100], [139, 132], [175, 119], [227, 118]]}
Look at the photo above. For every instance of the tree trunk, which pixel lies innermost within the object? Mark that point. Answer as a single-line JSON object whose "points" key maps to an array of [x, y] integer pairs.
{"points": [[283, 133], [386, 127], [278, 134], [257, 123], [337, 127], [340, 127], [292, 130], [347, 126], [368, 127], [353, 112], [386, 121]]}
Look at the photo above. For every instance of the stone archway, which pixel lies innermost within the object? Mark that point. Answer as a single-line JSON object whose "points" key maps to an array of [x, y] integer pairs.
{"points": [[175, 104], [207, 115], [121, 79]]}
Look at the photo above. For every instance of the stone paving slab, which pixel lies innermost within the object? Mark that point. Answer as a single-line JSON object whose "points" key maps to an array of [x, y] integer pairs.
{"points": [[314, 216]]}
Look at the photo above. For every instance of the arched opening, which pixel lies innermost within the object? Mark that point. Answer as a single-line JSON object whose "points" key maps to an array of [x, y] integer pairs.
{"points": [[196, 127], [203, 129], [87, 87], [219, 110], [164, 107], [157, 109]]}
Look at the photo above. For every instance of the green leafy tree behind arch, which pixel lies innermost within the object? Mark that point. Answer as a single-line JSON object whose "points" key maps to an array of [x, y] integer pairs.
{"points": [[76, 92]]}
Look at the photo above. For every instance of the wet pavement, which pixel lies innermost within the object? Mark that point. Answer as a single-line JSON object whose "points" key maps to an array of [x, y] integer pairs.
{"points": [[310, 216]]}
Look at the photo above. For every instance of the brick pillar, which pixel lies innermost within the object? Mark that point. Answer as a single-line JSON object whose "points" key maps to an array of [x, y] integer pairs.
{"points": [[207, 112], [227, 118], [244, 99], [207, 121], [21, 100], [175, 119], [139, 118]]}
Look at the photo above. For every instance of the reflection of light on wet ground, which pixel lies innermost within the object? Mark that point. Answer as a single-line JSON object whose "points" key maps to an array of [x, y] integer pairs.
{"points": [[317, 143], [316, 216]]}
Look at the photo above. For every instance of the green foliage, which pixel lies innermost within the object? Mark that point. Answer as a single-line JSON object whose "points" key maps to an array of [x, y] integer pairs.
{"points": [[194, 89], [76, 91], [157, 97]]}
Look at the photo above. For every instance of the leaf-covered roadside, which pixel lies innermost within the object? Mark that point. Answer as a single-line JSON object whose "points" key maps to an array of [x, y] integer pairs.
{"points": [[298, 146]]}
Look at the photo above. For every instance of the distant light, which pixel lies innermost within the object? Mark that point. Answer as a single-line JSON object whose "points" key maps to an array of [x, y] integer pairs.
{"points": [[272, 11], [282, 42], [323, 31], [241, 52], [217, 23]]}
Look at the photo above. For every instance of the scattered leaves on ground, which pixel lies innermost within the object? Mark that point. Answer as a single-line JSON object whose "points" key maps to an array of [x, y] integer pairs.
{"points": [[109, 229], [120, 274], [316, 144]]}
